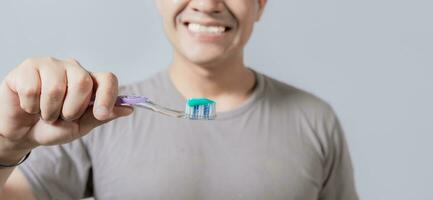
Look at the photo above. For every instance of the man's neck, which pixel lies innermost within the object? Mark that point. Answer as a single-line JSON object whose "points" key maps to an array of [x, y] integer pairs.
{"points": [[229, 83]]}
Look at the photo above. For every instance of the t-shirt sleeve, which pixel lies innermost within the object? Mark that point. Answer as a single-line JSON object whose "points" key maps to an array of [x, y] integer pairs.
{"points": [[59, 172], [338, 182]]}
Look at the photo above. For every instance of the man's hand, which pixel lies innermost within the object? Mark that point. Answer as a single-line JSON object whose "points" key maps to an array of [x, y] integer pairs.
{"points": [[45, 101]]}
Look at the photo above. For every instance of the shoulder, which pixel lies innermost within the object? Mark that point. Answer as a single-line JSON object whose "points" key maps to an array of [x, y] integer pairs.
{"points": [[307, 115], [295, 99]]}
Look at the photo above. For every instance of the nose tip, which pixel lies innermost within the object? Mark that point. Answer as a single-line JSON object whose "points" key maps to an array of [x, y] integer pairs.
{"points": [[207, 6]]}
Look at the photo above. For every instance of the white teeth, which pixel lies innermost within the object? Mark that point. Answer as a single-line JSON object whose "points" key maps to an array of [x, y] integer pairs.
{"points": [[198, 28]]}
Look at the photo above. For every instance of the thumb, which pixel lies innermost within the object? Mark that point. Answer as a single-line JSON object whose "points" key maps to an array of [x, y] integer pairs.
{"points": [[88, 121]]}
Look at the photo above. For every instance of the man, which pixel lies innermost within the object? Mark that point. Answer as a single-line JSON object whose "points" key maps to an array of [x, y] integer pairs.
{"points": [[270, 141]]}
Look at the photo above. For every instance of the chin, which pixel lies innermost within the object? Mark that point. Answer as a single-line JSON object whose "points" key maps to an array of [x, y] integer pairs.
{"points": [[206, 61], [205, 58]]}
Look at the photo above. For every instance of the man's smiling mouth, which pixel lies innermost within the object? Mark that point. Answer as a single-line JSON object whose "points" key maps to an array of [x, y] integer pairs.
{"points": [[209, 28]]}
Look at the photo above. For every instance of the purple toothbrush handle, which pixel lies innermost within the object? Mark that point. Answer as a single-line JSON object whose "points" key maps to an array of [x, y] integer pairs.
{"points": [[131, 100], [128, 100]]}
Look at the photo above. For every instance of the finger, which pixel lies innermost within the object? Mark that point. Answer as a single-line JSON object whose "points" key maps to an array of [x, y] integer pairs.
{"points": [[79, 91], [52, 133], [88, 121], [28, 88], [106, 85], [53, 82], [60, 132], [14, 121]]}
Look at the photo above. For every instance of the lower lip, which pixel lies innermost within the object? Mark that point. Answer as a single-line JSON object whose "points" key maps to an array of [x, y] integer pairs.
{"points": [[207, 37]]}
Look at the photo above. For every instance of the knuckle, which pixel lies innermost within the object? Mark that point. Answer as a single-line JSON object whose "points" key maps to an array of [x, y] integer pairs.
{"points": [[83, 83], [50, 59], [49, 62], [56, 91], [30, 92], [73, 61], [85, 80], [46, 68], [111, 77], [29, 62]]}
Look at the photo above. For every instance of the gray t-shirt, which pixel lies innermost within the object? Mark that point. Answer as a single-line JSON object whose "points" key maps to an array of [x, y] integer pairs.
{"points": [[281, 144]]}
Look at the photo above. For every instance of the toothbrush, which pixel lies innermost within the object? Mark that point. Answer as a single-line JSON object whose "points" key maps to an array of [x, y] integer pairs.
{"points": [[195, 109]]}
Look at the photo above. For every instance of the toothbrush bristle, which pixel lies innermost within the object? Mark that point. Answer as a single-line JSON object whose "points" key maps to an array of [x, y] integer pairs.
{"points": [[204, 110]]}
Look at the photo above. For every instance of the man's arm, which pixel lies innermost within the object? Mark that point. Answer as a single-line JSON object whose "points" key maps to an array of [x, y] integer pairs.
{"points": [[16, 187], [339, 183], [13, 185]]}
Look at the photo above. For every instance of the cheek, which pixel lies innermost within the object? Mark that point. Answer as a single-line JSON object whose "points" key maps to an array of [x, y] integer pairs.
{"points": [[170, 8], [246, 19]]}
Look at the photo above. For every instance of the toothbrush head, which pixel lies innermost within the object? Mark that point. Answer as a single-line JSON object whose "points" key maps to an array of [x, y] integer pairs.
{"points": [[200, 109]]}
